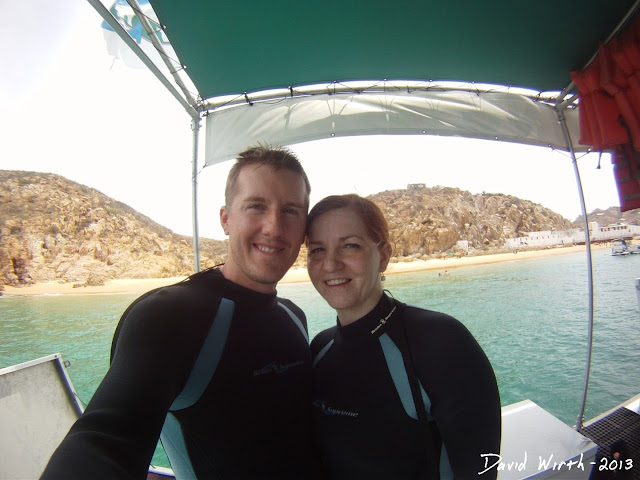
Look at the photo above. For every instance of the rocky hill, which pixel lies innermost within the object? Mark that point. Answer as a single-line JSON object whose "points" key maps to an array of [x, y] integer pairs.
{"points": [[55, 229], [428, 222], [611, 215]]}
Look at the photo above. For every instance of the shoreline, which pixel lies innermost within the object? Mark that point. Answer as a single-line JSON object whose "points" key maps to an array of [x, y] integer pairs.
{"points": [[299, 275]]}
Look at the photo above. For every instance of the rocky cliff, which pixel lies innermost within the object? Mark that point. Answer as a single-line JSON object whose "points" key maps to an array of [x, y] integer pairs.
{"points": [[610, 216], [55, 229], [428, 222]]}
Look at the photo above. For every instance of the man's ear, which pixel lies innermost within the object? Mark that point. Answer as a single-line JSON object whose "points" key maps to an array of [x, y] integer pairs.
{"points": [[224, 220]]}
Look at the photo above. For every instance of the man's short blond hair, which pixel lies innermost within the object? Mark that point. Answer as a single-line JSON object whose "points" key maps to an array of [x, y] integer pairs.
{"points": [[277, 158]]}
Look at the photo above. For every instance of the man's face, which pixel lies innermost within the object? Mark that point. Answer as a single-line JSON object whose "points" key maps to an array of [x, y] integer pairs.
{"points": [[266, 225]]}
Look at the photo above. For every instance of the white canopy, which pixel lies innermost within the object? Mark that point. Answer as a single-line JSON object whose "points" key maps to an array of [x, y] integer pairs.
{"points": [[504, 116]]}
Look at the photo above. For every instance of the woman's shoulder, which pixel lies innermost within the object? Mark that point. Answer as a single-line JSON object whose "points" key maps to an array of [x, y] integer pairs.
{"points": [[435, 328], [425, 318]]}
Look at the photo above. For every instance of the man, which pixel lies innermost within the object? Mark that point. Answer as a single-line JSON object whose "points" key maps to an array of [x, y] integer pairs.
{"points": [[237, 387]]}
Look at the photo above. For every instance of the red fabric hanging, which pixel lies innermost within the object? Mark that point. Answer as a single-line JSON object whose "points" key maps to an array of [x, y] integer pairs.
{"points": [[626, 170], [614, 82], [599, 109], [609, 107]]}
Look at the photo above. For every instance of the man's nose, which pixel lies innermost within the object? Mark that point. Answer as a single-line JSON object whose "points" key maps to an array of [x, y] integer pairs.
{"points": [[273, 224]]}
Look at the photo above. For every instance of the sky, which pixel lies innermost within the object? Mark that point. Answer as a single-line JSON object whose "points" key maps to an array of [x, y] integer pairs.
{"points": [[68, 107]]}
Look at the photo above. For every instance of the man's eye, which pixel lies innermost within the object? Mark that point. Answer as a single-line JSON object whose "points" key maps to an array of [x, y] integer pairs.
{"points": [[292, 211]]}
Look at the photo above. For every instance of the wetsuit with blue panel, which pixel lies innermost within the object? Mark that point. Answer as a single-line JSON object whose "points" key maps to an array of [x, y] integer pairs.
{"points": [[233, 366], [365, 420]]}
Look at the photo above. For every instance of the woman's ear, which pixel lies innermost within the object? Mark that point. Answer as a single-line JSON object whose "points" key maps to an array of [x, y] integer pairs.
{"points": [[385, 255]]}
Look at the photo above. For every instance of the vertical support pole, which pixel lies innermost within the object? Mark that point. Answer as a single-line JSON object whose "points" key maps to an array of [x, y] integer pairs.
{"points": [[195, 127], [587, 239]]}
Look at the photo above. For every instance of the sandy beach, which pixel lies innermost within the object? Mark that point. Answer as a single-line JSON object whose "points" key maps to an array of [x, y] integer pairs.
{"points": [[293, 276]]}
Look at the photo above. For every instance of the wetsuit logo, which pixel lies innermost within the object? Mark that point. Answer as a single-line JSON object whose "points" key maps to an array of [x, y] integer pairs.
{"points": [[327, 410], [277, 368]]}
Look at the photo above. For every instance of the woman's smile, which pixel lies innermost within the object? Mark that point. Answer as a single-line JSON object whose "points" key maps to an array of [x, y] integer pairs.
{"points": [[344, 263]]}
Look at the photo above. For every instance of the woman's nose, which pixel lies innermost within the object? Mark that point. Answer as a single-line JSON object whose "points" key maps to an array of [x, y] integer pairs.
{"points": [[332, 260]]}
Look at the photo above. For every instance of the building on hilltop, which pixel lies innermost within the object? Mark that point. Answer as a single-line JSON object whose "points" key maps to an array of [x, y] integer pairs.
{"points": [[551, 238], [416, 186]]}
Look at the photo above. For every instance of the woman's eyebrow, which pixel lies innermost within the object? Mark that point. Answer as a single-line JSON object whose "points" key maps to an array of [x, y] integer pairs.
{"points": [[347, 237], [340, 239]]}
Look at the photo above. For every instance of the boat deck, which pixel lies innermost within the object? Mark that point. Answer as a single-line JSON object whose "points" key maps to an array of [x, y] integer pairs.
{"points": [[616, 433]]}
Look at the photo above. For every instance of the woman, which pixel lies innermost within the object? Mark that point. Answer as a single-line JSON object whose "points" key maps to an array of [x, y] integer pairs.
{"points": [[383, 354]]}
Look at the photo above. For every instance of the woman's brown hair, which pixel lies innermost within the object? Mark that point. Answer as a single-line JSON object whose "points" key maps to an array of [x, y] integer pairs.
{"points": [[369, 212]]}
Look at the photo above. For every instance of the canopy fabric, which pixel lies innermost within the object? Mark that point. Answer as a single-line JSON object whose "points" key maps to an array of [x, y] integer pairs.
{"points": [[237, 50], [235, 47], [491, 115]]}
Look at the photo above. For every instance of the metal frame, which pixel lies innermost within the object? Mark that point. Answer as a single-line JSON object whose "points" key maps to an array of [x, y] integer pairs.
{"points": [[62, 370], [375, 87], [587, 240], [186, 100], [560, 103]]}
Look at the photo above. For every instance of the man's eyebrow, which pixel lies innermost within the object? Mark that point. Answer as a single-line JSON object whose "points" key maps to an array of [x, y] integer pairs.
{"points": [[294, 204], [259, 199], [253, 198]]}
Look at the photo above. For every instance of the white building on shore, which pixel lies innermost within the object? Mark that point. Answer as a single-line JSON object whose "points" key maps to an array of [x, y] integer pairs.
{"points": [[551, 238]]}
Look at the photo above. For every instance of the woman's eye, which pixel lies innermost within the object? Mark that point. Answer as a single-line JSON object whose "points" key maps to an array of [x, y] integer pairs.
{"points": [[315, 250], [352, 245]]}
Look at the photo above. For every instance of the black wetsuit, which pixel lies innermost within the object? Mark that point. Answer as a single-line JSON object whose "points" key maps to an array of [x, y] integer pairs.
{"points": [[364, 417], [252, 420]]}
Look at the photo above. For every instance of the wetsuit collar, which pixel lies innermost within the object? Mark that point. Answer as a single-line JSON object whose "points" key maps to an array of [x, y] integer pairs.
{"points": [[373, 323], [245, 296]]}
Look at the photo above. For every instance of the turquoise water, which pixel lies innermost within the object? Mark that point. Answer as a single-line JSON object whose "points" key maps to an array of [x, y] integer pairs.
{"points": [[529, 316]]}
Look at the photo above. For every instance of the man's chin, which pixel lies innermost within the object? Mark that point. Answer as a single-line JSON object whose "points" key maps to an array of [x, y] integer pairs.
{"points": [[268, 275]]}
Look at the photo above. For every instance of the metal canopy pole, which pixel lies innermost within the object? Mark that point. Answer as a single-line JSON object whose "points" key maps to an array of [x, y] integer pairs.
{"points": [[587, 239], [621, 24], [126, 38], [158, 46], [193, 113], [195, 126]]}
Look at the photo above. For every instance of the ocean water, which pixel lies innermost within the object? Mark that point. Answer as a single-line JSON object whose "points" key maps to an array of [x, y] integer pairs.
{"points": [[529, 316]]}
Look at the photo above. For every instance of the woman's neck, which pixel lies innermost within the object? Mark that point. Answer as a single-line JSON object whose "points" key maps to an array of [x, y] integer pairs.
{"points": [[349, 315]]}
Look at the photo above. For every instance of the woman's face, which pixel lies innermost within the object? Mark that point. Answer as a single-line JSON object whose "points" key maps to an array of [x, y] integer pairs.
{"points": [[345, 264]]}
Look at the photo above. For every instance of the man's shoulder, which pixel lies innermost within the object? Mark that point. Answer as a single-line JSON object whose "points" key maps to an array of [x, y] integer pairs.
{"points": [[322, 339], [291, 306], [171, 315], [192, 293]]}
